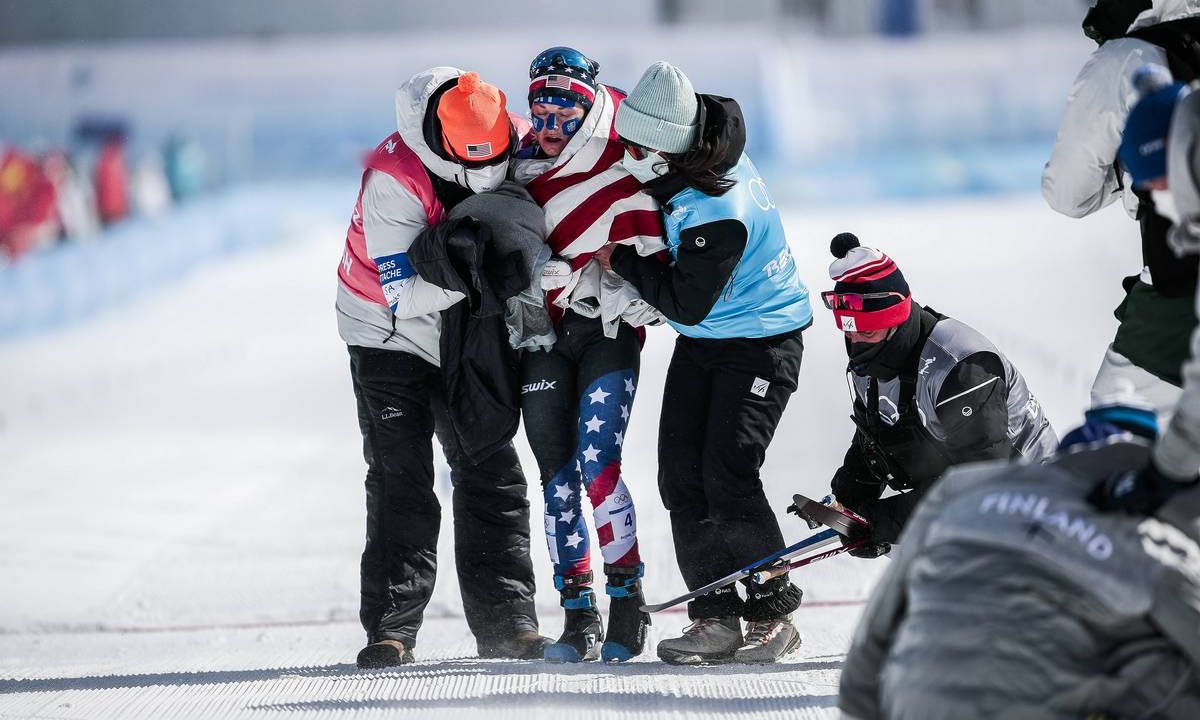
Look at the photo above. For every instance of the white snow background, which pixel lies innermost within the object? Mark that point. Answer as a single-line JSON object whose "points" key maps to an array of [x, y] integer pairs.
{"points": [[181, 511]]}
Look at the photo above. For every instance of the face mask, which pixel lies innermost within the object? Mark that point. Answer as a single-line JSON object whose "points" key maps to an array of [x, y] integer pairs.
{"points": [[483, 179], [648, 168], [863, 354], [1164, 205]]}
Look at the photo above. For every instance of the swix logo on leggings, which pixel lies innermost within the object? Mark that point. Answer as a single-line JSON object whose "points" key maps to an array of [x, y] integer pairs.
{"points": [[539, 385]]}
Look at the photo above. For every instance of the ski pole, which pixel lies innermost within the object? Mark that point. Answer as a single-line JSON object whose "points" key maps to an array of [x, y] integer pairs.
{"points": [[820, 539], [762, 576]]}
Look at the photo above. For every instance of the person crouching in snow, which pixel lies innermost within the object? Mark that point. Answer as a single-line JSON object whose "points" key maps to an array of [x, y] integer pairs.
{"points": [[733, 294], [454, 138], [578, 387], [928, 391]]}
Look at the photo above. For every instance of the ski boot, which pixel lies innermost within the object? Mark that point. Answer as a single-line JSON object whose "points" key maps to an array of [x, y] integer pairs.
{"points": [[627, 624], [582, 632], [385, 653]]}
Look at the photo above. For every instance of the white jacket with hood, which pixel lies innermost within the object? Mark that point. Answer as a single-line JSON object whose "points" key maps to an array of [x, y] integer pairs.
{"points": [[1080, 177], [392, 218]]}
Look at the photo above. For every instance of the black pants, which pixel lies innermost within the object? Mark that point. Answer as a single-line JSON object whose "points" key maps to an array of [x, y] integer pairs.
{"points": [[722, 403], [401, 405], [575, 401]]}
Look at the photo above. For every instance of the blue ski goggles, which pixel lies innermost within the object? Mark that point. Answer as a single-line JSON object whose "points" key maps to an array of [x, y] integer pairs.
{"points": [[562, 58]]}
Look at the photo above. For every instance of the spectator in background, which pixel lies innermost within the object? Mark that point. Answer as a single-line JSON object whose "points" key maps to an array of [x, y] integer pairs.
{"points": [[149, 188], [186, 167], [75, 200], [27, 205], [112, 180]]}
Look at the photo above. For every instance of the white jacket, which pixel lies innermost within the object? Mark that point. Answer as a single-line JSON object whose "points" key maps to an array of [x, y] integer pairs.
{"points": [[392, 218], [1080, 177]]}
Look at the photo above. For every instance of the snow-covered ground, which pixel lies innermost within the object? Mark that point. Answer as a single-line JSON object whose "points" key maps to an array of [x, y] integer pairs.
{"points": [[181, 498]]}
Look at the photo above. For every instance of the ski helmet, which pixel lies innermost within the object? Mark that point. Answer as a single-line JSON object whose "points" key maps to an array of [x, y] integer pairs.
{"points": [[563, 74]]}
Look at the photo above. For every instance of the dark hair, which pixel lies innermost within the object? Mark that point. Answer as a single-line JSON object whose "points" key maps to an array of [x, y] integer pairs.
{"points": [[704, 167]]}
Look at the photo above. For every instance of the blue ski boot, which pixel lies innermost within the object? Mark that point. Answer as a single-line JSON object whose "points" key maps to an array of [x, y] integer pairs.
{"points": [[582, 632], [626, 622]]}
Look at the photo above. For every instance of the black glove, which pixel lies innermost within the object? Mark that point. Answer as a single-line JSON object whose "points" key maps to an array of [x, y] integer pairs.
{"points": [[1137, 492], [870, 549]]}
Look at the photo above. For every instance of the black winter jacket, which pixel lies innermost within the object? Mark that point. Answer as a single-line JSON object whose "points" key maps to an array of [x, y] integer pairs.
{"points": [[479, 367], [972, 409]]}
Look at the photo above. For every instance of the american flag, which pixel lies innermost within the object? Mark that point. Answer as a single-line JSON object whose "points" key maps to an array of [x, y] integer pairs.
{"points": [[482, 150], [604, 410], [590, 200]]}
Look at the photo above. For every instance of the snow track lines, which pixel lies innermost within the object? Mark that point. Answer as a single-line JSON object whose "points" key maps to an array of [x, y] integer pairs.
{"points": [[302, 671]]}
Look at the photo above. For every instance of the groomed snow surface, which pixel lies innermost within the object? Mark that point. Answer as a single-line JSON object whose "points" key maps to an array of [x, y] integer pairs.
{"points": [[182, 506]]}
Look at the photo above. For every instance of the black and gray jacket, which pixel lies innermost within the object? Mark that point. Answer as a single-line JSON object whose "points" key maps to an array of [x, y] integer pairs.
{"points": [[1012, 598], [957, 399]]}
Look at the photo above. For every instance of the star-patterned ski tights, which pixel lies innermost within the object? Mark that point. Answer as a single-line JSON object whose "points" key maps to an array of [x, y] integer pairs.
{"points": [[575, 402], [603, 416]]}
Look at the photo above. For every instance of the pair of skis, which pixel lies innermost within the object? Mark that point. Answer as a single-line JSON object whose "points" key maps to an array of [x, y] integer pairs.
{"points": [[843, 528]]}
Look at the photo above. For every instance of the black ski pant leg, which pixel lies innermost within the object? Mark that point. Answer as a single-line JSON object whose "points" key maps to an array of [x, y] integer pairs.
{"points": [[399, 561], [491, 536], [682, 431], [550, 411], [550, 408], [749, 395]]}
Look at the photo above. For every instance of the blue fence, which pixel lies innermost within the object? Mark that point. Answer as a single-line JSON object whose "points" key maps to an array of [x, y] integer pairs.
{"points": [[69, 282]]}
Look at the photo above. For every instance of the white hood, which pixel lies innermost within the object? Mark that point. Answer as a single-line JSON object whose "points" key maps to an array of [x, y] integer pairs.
{"points": [[412, 100], [1165, 11]]}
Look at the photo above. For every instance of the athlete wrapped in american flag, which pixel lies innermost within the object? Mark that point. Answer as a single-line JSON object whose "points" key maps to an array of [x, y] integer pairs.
{"points": [[577, 396]]}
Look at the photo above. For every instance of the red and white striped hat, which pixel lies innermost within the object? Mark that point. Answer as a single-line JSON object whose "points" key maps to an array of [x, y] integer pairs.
{"points": [[869, 291]]}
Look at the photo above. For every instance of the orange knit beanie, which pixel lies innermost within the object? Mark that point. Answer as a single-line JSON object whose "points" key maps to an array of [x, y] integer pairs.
{"points": [[475, 124]]}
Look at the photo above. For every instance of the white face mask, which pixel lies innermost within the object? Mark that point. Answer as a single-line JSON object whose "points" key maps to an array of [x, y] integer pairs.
{"points": [[1164, 205], [650, 167], [483, 179]]}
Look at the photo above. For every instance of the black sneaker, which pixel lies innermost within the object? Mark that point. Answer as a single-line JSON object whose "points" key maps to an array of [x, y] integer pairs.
{"points": [[525, 645]]}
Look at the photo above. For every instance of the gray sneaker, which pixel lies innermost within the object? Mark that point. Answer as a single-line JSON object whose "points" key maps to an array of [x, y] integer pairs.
{"points": [[767, 641], [707, 640]]}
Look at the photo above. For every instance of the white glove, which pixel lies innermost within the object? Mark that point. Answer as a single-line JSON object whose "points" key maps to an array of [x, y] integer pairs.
{"points": [[555, 274]]}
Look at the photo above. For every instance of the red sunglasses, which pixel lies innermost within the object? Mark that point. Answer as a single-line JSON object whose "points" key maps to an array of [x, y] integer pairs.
{"points": [[855, 301]]}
